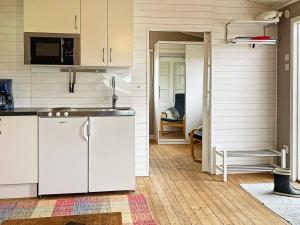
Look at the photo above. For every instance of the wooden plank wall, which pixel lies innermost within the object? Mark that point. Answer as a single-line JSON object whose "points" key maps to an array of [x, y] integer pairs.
{"points": [[244, 79], [244, 94]]}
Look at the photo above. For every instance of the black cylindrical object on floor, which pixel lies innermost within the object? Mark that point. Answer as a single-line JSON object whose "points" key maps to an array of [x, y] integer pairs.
{"points": [[282, 184]]}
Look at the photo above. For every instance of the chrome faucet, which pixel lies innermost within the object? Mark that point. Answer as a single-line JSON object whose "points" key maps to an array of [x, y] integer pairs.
{"points": [[115, 97]]}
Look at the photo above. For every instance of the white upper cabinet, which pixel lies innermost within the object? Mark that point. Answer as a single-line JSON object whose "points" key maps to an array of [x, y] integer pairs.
{"points": [[94, 32], [120, 33], [52, 16], [107, 33]]}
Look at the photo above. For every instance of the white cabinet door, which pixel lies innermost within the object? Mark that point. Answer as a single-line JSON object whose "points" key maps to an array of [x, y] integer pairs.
{"points": [[112, 154], [19, 150], [120, 33], [94, 32], [52, 16], [63, 156]]}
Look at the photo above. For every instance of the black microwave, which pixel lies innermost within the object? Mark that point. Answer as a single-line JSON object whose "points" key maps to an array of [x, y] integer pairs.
{"points": [[51, 49]]}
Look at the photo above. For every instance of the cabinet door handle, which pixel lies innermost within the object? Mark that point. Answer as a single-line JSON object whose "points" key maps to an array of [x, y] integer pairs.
{"points": [[89, 128], [85, 131], [76, 22], [110, 53], [62, 50], [103, 52]]}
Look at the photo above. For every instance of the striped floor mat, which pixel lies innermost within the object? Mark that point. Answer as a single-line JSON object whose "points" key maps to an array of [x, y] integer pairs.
{"points": [[134, 208]]}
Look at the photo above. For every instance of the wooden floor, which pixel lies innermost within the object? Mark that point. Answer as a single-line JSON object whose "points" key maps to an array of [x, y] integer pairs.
{"points": [[179, 193]]}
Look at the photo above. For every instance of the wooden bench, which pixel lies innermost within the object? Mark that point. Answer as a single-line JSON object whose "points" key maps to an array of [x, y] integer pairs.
{"points": [[226, 169]]}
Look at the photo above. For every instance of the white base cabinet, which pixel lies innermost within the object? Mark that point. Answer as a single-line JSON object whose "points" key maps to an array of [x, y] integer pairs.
{"points": [[18, 156], [19, 150], [112, 154]]}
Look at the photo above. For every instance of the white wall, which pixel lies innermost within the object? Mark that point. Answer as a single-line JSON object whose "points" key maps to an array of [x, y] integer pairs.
{"points": [[244, 78]]}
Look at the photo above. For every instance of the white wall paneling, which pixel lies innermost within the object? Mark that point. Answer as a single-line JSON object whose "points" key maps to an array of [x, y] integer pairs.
{"points": [[243, 78]]}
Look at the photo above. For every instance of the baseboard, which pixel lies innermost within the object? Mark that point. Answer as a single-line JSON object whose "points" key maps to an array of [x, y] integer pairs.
{"points": [[18, 191], [142, 173], [173, 142]]}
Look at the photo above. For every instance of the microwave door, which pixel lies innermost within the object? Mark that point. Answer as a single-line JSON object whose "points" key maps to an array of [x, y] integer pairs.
{"points": [[47, 51]]}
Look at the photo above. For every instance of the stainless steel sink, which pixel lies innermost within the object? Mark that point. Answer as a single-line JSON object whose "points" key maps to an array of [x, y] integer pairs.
{"points": [[64, 109], [104, 109]]}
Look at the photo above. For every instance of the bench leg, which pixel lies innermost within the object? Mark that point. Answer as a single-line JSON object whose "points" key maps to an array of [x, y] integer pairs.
{"points": [[225, 177], [283, 157]]}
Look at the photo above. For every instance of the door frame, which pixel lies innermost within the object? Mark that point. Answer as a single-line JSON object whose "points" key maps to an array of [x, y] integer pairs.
{"points": [[207, 152], [294, 99]]}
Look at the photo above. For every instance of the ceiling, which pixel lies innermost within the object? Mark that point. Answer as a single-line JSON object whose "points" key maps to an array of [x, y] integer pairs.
{"points": [[271, 3]]}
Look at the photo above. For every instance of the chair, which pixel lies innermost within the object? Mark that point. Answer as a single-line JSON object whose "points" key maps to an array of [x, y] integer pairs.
{"points": [[180, 107], [196, 136]]}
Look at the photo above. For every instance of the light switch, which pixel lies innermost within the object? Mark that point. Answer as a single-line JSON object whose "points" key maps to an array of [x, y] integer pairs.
{"points": [[287, 67], [287, 57]]}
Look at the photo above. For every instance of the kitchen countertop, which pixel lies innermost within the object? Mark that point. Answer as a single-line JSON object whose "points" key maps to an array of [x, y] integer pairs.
{"points": [[22, 111], [43, 112]]}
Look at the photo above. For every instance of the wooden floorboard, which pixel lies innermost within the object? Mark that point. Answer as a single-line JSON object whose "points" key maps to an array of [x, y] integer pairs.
{"points": [[179, 193]]}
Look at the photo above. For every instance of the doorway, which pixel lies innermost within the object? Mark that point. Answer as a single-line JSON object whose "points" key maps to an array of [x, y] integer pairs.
{"points": [[179, 79]]}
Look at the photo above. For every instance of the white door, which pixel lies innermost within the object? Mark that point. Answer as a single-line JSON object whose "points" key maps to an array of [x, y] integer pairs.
{"points": [[112, 154], [120, 33], [19, 150], [207, 158], [94, 33], [156, 92], [52, 16], [63, 156], [194, 86]]}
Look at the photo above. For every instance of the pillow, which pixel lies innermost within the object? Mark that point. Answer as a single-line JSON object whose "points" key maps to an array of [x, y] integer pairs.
{"points": [[172, 113]]}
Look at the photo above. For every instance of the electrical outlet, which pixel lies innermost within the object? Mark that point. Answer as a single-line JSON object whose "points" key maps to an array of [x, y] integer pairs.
{"points": [[287, 57], [287, 67]]}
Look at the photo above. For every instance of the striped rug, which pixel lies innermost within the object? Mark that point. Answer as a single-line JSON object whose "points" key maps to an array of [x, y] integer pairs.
{"points": [[134, 208]]}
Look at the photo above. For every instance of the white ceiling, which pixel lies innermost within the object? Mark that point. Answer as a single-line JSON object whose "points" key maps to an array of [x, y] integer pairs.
{"points": [[273, 3]]}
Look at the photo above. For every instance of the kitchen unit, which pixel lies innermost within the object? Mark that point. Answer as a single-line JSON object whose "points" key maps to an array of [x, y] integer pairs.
{"points": [[105, 28], [86, 150], [19, 156]]}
